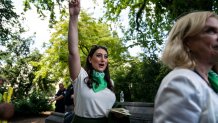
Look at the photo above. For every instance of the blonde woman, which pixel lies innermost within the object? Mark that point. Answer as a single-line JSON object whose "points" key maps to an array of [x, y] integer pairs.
{"points": [[186, 94]]}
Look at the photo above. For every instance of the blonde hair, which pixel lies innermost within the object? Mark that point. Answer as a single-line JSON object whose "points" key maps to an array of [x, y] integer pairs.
{"points": [[176, 53]]}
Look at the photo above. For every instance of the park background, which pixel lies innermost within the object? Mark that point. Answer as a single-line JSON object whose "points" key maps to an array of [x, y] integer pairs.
{"points": [[33, 66]]}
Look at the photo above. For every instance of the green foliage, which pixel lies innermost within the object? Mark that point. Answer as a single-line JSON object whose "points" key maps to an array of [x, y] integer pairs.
{"points": [[33, 104], [150, 20], [146, 28], [8, 19], [20, 74], [45, 6], [140, 80], [14, 51]]}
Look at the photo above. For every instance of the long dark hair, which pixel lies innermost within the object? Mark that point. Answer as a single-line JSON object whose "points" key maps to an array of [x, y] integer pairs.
{"points": [[89, 68]]}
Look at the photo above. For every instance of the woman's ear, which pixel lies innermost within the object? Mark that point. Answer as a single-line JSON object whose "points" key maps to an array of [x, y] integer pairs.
{"points": [[187, 44]]}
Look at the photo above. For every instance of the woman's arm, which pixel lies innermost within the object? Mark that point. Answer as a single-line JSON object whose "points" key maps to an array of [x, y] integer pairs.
{"points": [[74, 57]]}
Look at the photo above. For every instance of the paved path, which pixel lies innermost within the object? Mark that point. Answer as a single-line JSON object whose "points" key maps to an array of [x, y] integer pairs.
{"points": [[36, 119], [29, 120]]}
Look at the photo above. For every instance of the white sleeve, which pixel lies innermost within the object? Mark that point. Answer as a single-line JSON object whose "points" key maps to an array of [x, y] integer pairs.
{"points": [[177, 101]]}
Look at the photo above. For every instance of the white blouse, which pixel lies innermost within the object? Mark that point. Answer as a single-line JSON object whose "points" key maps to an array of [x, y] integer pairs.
{"points": [[184, 97], [88, 103]]}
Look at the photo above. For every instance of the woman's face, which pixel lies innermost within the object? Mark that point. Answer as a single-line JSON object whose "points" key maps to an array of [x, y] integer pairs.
{"points": [[204, 46], [99, 60]]}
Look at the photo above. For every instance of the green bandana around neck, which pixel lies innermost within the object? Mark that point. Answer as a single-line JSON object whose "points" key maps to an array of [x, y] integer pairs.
{"points": [[213, 79], [99, 78]]}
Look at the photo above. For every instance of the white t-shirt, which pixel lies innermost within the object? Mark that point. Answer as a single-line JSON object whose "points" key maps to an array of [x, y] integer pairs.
{"points": [[184, 97], [88, 103]]}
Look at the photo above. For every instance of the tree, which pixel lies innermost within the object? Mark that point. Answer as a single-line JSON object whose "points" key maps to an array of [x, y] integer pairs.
{"points": [[20, 74], [140, 79], [14, 50], [44, 6], [8, 19], [149, 20]]}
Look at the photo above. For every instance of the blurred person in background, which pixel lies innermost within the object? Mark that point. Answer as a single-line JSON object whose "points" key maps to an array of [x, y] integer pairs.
{"points": [[59, 98]]}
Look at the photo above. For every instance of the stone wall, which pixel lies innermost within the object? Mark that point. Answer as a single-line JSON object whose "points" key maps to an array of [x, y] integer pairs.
{"points": [[141, 112]]}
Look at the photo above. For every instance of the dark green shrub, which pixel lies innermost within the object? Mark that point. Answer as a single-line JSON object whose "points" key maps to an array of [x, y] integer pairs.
{"points": [[22, 107], [35, 103]]}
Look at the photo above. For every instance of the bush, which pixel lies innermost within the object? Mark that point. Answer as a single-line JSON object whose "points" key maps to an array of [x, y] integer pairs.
{"points": [[32, 105]]}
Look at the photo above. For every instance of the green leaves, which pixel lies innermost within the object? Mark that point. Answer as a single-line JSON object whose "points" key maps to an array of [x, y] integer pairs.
{"points": [[8, 20], [150, 20]]}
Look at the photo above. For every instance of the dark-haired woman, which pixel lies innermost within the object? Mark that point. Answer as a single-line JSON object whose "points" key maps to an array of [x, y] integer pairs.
{"points": [[93, 88]]}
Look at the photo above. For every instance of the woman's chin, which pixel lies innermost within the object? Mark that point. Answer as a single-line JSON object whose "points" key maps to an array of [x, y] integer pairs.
{"points": [[100, 69]]}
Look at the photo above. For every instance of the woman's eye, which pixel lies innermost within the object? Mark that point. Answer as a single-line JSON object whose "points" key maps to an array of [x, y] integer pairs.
{"points": [[101, 56], [98, 55], [106, 56], [211, 30]]}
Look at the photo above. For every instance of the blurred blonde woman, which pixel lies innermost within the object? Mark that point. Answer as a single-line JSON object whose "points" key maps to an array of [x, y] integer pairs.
{"points": [[186, 94]]}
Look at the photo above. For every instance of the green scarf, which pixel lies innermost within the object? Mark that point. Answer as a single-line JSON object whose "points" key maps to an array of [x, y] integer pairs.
{"points": [[99, 78], [213, 79]]}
